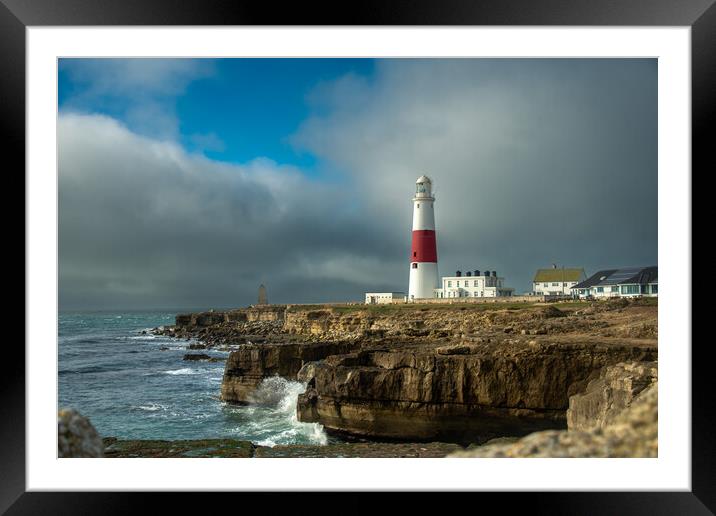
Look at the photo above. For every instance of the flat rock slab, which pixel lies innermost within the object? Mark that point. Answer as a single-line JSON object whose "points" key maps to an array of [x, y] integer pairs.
{"points": [[360, 450], [205, 448], [234, 448]]}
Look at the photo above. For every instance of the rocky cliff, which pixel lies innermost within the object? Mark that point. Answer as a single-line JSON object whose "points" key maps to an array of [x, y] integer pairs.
{"points": [[630, 430], [458, 393], [610, 319], [249, 365], [607, 396], [423, 372]]}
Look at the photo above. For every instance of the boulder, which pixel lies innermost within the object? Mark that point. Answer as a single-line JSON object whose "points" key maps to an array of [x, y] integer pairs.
{"points": [[76, 437]]}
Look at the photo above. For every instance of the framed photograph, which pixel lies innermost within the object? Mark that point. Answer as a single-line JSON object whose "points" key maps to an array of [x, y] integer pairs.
{"points": [[413, 249]]}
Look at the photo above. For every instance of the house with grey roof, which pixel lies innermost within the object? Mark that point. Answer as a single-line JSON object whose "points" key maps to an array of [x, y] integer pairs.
{"points": [[625, 282]]}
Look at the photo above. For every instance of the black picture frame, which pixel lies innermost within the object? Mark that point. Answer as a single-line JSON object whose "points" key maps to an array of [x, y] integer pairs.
{"points": [[700, 15]]}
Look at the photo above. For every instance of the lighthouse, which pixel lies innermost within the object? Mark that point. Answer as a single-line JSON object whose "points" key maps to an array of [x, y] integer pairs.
{"points": [[424, 253]]}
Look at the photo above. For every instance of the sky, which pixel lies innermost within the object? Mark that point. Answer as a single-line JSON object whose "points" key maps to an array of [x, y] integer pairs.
{"points": [[186, 183]]}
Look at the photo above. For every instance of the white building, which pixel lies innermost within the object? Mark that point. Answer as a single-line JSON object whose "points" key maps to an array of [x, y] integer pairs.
{"points": [[378, 298], [470, 284], [556, 281], [423, 255], [626, 282]]}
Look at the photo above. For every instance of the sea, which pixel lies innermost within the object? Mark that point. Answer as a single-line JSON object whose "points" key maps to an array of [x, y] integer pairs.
{"points": [[115, 372]]}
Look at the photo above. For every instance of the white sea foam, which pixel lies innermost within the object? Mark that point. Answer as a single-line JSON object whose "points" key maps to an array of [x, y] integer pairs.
{"points": [[150, 407], [282, 396], [184, 370], [142, 337]]}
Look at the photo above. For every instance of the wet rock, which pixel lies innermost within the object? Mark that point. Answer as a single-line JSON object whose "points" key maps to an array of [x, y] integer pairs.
{"points": [[196, 356], [230, 448], [76, 437], [365, 450]]}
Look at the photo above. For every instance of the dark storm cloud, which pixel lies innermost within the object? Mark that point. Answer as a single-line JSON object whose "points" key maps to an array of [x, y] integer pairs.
{"points": [[534, 162]]}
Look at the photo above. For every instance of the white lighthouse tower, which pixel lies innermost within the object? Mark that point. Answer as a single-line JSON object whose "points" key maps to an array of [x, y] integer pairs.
{"points": [[424, 254]]}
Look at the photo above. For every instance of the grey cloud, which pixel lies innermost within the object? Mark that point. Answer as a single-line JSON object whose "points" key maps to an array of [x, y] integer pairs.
{"points": [[534, 161], [142, 223]]}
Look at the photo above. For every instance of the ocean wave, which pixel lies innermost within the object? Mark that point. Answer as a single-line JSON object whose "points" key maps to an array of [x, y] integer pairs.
{"points": [[184, 370], [280, 396], [142, 337], [150, 407]]}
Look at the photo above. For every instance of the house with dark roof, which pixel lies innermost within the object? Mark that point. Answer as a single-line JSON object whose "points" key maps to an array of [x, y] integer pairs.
{"points": [[625, 282], [556, 281]]}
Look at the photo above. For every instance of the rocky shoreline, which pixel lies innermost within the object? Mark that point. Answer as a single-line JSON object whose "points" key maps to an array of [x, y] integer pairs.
{"points": [[449, 373], [234, 448]]}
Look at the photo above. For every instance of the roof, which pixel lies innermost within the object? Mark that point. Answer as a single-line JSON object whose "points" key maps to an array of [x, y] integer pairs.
{"points": [[624, 276], [595, 278], [547, 275], [423, 179]]}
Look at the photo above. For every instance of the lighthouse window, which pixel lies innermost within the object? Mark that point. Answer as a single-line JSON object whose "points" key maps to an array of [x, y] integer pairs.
{"points": [[415, 266], [418, 205]]}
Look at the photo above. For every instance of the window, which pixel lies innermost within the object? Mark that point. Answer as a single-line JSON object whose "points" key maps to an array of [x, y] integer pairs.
{"points": [[615, 288], [418, 205], [600, 289], [545, 284], [630, 289], [449, 282], [655, 289], [553, 284], [415, 266], [415, 254], [474, 284]]}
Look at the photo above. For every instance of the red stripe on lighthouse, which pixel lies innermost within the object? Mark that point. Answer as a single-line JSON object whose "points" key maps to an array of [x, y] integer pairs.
{"points": [[424, 246]]}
